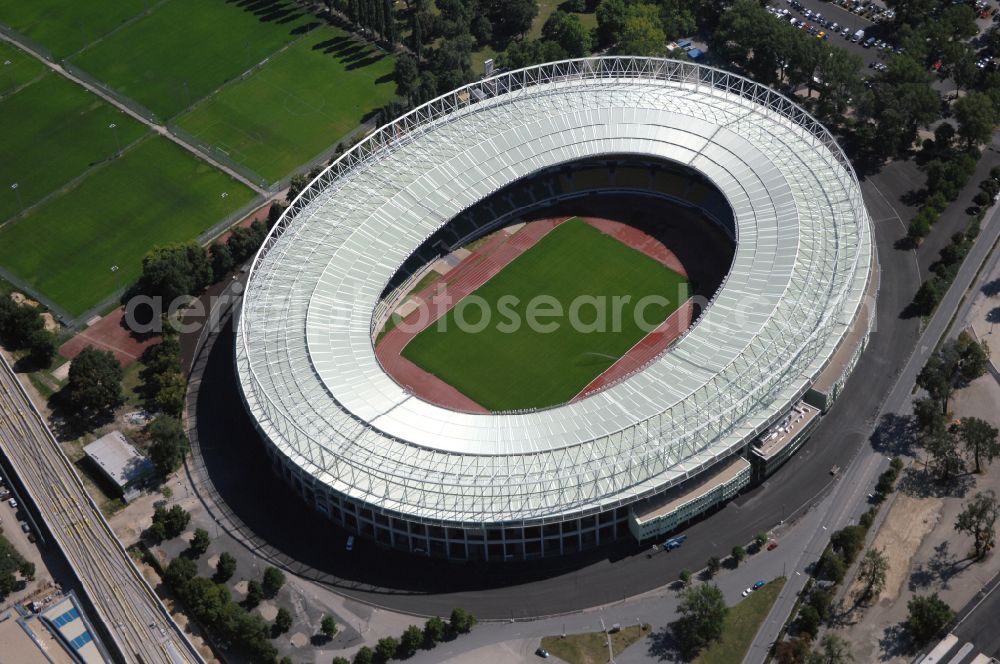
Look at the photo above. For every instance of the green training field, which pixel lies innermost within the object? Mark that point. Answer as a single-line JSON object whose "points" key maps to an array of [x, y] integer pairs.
{"points": [[51, 131], [302, 101], [66, 27], [16, 69], [156, 193], [185, 49], [504, 369]]}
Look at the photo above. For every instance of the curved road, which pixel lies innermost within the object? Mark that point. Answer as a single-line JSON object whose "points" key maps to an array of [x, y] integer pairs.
{"points": [[141, 629]]}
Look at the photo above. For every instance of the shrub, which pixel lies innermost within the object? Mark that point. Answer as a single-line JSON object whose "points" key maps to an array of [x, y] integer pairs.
{"points": [[274, 579]]}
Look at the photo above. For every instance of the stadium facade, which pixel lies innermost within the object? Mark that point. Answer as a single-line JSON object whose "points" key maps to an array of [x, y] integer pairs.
{"points": [[736, 395]]}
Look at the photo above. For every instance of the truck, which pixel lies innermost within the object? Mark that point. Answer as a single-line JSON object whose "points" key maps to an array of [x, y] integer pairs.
{"points": [[858, 36]]}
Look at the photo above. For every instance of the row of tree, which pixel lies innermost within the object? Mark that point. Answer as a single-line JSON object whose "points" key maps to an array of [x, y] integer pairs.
{"points": [[435, 631], [23, 328]]}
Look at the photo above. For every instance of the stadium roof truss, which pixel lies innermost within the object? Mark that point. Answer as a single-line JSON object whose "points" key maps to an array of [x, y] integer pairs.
{"points": [[804, 255]]}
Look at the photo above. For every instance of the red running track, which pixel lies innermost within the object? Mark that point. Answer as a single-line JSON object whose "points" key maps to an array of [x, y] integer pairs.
{"points": [[483, 264], [438, 298]]}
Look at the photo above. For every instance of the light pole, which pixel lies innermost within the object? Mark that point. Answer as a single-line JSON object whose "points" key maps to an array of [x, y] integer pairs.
{"points": [[20, 202], [114, 127]]}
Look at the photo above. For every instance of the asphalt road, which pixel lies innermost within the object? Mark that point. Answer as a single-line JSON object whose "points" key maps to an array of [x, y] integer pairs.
{"points": [[978, 623], [140, 627], [850, 495]]}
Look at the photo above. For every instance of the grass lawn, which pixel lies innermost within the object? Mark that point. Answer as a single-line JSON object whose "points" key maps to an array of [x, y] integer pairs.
{"points": [[156, 193], [298, 104], [185, 49], [741, 626], [22, 68], [592, 648], [502, 366], [66, 27], [51, 131], [546, 8]]}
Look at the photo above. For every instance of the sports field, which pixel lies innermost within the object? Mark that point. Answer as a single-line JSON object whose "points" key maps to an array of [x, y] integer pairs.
{"points": [[16, 69], [52, 131], [301, 102], [184, 49], [65, 27], [156, 193], [505, 367]]}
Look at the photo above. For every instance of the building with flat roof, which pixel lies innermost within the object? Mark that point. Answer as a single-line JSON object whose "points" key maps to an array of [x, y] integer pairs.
{"points": [[60, 634], [120, 463]]}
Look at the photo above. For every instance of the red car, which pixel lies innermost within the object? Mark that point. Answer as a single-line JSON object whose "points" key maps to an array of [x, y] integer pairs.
{"points": [[772, 546]]}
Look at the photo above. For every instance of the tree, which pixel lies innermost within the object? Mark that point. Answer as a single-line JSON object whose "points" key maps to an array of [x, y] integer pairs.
{"points": [[792, 651], [713, 566], [282, 621], [832, 566], [513, 17], [567, 31], [94, 390], [199, 542], [435, 630], [610, 21], [341, 660], [364, 656], [848, 541], [973, 356], [41, 348], [168, 524], [386, 648], [808, 621], [410, 641], [27, 570], [685, 577], [254, 594], [175, 270], [759, 540], [942, 446], [179, 571], [702, 611], [739, 554], [977, 519], [169, 443], [222, 260], [225, 567], [461, 621], [832, 650], [928, 616], [407, 78], [871, 573], [902, 101], [274, 579], [327, 626], [976, 116], [980, 440], [643, 32]]}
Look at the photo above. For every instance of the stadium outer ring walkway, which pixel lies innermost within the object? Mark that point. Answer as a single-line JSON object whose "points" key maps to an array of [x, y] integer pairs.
{"points": [[412, 475]]}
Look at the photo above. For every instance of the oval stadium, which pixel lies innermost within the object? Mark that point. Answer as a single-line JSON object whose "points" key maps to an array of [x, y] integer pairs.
{"points": [[719, 200]]}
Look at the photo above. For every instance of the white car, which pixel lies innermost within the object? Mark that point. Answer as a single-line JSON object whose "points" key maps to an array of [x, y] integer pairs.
{"points": [[13, 503], [748, 591]]}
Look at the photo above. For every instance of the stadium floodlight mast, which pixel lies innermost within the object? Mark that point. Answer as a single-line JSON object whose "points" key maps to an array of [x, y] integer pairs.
{"points": [[16, 189], [118, 146]]}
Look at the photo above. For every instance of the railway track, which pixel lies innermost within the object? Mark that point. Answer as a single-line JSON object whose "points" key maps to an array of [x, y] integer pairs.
{"points": [[140, 626]]}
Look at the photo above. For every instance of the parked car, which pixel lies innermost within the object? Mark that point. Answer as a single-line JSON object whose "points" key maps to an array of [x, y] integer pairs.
{"points": [[350, 542], [543, 653], [748, 591], [13, 503], [759, 584], [772, 546]]}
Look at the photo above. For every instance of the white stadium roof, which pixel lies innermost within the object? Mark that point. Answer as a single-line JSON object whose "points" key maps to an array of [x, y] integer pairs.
{"points": [[803, 259]]}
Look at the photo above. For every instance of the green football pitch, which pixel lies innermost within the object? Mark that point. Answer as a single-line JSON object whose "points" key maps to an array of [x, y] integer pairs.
{"points": [[506, 367], [16, 69], [64, 27], [301, 102], [156, 193], [184, 49], [52, 131]]}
